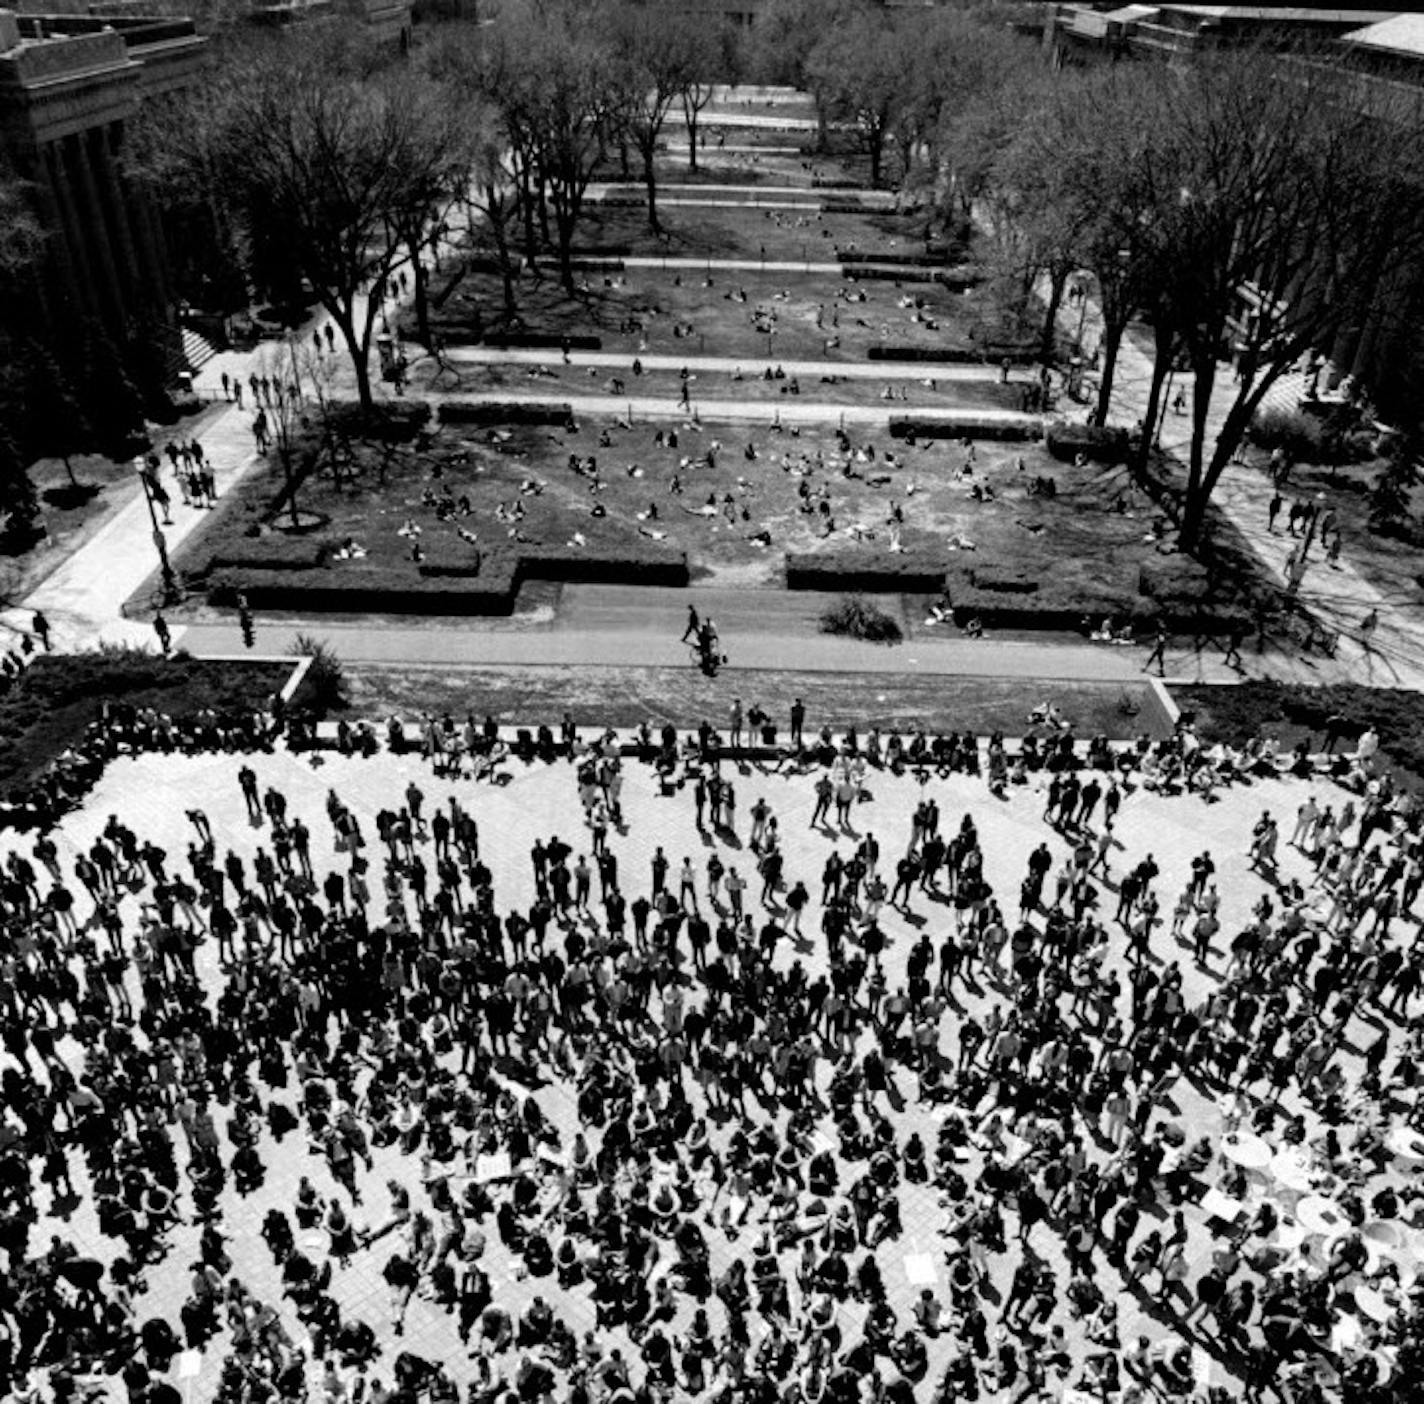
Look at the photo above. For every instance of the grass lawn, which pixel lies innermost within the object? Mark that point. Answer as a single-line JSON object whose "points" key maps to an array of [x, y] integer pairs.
{"points": [[52, 704], [743, 233], [1070, 543], [729, 313], [626, 697], [704, 386], [1294, 711]]}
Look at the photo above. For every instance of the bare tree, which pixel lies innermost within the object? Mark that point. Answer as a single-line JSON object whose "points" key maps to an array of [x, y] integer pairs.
{"points": [[1276, 190]]}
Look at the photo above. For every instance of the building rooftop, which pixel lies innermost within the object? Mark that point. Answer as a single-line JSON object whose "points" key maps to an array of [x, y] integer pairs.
{"points": [[1284, 14], [1399, 34]]}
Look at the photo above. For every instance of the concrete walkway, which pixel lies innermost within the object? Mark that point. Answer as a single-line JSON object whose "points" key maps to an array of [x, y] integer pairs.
{"points": [[1341, 596], [725, 365], [781, 267], [793, 409]]}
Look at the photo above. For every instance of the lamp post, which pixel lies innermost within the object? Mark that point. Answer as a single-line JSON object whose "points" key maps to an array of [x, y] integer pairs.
{"points": [[159, 541]]}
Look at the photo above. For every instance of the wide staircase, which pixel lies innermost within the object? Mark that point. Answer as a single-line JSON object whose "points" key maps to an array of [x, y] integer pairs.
{"points": [[197, 349]]}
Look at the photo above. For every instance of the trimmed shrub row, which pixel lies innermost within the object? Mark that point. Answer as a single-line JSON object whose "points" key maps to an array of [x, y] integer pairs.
{"points": [[861, 273], [270, 551], [907, 260], [852, 569], [597, 265], [1004, 431], [504, 412], [395, 421], [437, 588], [851, 207], [1099, 443]]}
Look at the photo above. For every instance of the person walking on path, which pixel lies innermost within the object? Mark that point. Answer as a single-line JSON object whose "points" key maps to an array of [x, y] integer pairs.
{"points": [[1159, 653], [694, 625], [41, 628], [165, 636], [1368, 625]]}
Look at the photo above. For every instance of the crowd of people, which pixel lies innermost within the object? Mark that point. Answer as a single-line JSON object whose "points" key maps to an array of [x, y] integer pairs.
{"points": [[778, 1075]]}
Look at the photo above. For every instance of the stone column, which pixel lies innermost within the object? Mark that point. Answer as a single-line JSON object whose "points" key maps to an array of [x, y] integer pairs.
{"points": [[98, 237], [75, 256]]}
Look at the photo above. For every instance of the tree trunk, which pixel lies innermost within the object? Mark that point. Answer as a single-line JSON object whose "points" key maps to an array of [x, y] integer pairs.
{"points": [[526, 204], [1048, 341], [69, 468], [497, 222], [1197, 495], [360, 356], [566, 246], [421, 290], [1112, 344], [875, 140], [689, 114], [651, 181], [286, 454], [1161, 364]]}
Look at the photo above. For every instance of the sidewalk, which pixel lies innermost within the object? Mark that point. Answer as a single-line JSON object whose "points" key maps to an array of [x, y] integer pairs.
{"points": [[1341, 597], [751, 367]]}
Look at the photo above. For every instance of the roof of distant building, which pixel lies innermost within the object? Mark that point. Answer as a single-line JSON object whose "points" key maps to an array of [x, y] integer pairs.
{"points": [[1289, 15], [1399, 34]]}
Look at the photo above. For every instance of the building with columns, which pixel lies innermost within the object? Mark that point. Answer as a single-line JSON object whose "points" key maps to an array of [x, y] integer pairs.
{"points": [[69, 85]]}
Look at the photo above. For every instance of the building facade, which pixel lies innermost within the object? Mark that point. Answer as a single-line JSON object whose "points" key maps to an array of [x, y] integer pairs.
{"points": [[70, 83]]}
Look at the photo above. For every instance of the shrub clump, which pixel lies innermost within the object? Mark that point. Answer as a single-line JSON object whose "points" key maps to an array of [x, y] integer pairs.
{"points": [[325, 681], [854, 617]]}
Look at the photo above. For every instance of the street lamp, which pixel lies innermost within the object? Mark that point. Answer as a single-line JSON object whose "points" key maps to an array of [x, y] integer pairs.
{"points": [[170, 588]]}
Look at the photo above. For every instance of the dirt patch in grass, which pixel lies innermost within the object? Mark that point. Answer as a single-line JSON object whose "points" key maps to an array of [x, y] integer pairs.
{"points": [[743, 233], [626, 697], [732, 514], [706, 386], [718, 313], [51, 705]]}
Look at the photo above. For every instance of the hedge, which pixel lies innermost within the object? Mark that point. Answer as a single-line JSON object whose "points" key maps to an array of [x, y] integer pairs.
{"points": [[993, 430], [395, 422], [270, 551], [852, 207], [436, 588], [504, 412], [868, 571], [596, 265], [601, 251], [543, 341], [1002, 580], [866, 273], [908, 260], [1099, 443], [945, 355], [1237, 712]]}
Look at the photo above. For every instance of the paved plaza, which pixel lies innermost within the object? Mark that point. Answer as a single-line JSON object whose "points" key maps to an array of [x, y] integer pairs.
{"points": [[937, 1245]]}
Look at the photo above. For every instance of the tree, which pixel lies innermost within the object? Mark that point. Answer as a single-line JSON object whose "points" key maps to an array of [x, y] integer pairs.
{"points": [[1391, 500], [653, 60], [20, 520], [1275, 189], [115, 408], [57, 423], [339, 162], [711, 55], [859, 70], [786, 34], [21, 234]]}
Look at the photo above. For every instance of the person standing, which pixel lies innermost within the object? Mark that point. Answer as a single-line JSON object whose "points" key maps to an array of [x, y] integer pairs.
{"points": [[165, 635], [41, 628], [1159, 652], [798, 721], [736, 719]]}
